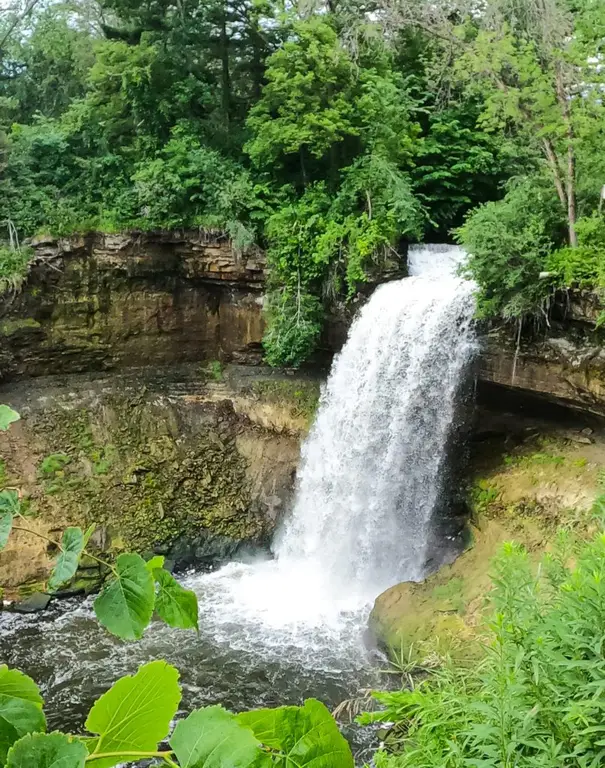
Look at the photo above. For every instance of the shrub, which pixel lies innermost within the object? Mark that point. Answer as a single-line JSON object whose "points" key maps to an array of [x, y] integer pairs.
{"points": [[508, 244], [536, 698]]}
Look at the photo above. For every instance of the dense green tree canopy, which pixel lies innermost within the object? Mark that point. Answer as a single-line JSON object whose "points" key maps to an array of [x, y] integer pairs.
{"points": [[329, 135]]}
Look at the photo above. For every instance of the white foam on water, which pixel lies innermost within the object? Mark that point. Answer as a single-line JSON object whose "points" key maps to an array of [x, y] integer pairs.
{"points": [[370, 475]]}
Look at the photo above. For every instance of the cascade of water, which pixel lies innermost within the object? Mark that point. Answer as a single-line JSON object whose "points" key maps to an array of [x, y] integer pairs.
{"points": [[370, 479], [371, 468]]}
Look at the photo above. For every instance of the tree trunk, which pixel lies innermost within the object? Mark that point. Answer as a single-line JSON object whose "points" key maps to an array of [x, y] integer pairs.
{"points": [[225, 76], [571, 196], [563, 97]]}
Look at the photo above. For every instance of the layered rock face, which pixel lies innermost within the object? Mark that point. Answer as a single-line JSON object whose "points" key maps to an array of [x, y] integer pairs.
{"points": [[563, 361], [104, 302], [177, 461]]}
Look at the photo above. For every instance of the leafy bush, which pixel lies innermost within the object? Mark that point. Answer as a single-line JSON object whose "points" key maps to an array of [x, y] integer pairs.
{"points": [[583, 266], [14, 265], [509, 243], [294, 327], [535, 700], [130, 720]]}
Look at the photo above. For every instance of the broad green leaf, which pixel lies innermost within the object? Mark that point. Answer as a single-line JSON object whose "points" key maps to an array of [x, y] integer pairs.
{"points": [[9, 501], [125, 606], [174, 604], [66, 565], [135, 713], [307, 736], [20, 708], [7, 417], [156, 562], [213, 738], [52, 750], [6, 524]]}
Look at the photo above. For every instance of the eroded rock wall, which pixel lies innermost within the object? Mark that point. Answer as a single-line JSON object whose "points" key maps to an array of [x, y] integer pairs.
{"points": [[103, 302], [186, 462]]}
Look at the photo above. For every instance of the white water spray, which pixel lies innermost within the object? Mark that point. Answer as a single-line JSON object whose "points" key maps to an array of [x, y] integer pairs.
{"points": [[371, 470]]}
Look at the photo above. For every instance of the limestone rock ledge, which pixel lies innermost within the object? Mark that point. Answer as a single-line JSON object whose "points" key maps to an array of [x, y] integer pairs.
{"points": [[182, 462], [563, 362], [101, 302]]}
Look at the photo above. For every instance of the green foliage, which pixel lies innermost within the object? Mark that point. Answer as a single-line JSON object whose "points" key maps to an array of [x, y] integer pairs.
{"points": [[300, 736], [534, 699], [66, 565], [53, 750], [7, 417], [14, 266], [509, 242], [294, 327], [134, 715], [584, 266], [125, 606], [53, 464], [20, 709], [174, 604], [214, 737]]}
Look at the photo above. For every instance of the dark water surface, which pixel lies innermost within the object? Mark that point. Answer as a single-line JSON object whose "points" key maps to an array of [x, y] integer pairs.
{"points": [[237, 659]]}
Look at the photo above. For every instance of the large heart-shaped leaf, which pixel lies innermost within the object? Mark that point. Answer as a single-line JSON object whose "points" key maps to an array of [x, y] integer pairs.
{"points": [[125, 606], [52, 750], [20, 708], [306, 737], [66, 565], [213, 738], [174, 604], [7, 417], [135, 713]]}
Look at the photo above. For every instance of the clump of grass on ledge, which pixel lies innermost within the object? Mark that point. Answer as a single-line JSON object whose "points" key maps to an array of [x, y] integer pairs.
{"points": [[14, 265]]}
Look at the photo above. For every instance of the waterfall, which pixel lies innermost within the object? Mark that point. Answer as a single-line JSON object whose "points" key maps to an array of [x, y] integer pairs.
{"points": [[370, 480], [372, 466]]}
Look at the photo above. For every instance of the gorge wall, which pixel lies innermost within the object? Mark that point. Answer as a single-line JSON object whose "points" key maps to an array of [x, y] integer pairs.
{"points": [[111, 302], [108, 302]]}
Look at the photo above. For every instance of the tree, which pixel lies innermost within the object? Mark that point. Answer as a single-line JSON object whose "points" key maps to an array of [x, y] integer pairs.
{"points": [[534, 65]]}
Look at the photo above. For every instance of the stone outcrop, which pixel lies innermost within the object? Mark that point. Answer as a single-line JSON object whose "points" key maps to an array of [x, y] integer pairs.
{"points": [[563, 361], [547, 482], [188, 462], [102, 302]]}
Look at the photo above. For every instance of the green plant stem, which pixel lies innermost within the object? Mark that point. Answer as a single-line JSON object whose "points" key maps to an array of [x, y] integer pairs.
{"points": [[139, 755], [56, 544]]}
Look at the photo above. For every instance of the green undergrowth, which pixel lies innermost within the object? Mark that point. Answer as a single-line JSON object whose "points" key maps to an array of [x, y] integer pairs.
{"points": [[529, 693], [302, 397], [14, 265]]}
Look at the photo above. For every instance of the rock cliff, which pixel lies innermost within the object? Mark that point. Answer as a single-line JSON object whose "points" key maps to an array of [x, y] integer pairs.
{"points": [[103, 302]]}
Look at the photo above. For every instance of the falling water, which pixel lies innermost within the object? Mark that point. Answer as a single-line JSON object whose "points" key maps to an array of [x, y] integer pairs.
{"points": [[370, 480], [371, 471]]}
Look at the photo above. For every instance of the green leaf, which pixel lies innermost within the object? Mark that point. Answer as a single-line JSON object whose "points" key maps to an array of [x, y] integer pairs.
{"points": [[174, 604], [125, 606], [156, 562], [9, 501], [307, 735], [135, 713], [213, 738], [20, 708], [89, 531], [6, 524], [53, 750], [66, 565], [7, 417]]}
